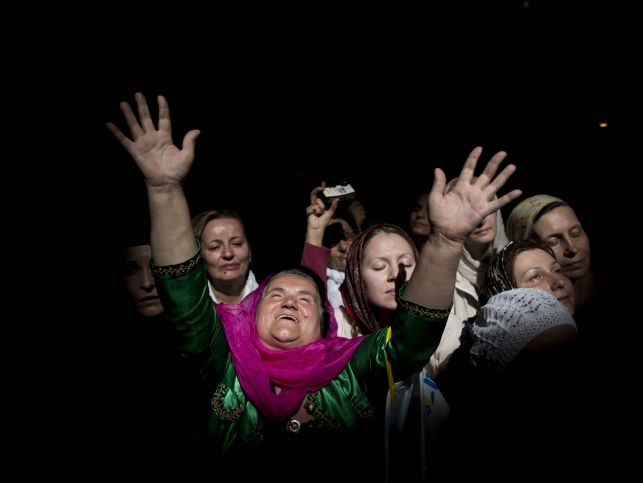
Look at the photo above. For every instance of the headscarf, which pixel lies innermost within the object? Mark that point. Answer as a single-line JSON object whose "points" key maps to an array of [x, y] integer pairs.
{"points": [[520, 223], [353, 290], [296, 371], [499, 276], [497, 279], [334, 279], [509, 321]]}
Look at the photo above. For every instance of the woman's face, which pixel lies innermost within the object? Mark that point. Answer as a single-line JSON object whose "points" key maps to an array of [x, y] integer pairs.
{"points": [[225, 250], [382, 255], [337, 256], [139, 282], [561, 230], [289, 312], [537, 269], [485, 233], [419, 217]]}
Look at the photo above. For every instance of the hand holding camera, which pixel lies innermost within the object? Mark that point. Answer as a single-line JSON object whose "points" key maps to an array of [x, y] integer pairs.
{"points": [[344, 191]]}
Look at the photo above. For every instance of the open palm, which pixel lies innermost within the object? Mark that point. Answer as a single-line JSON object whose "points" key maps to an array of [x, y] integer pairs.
{"points": [[457, 213], [160, 161]]}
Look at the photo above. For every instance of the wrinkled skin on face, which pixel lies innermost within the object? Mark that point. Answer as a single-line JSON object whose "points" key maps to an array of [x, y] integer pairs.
{"points": [[289, 312]]}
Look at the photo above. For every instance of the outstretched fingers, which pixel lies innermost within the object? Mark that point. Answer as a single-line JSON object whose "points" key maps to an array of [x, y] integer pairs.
{"points": [[490, 169], [118, 134], [134, 127], [506, 199], [498, 182], [466, 174], [144, 113], [488, 181], [164, 115], [189, 140], [439, 182]]}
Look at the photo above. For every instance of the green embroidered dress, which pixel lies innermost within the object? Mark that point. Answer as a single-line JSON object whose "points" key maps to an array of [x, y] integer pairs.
{"points": [[346, 412]]}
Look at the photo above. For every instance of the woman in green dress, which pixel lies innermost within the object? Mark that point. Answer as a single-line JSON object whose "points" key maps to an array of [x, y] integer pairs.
{"points": [[284, 391]]}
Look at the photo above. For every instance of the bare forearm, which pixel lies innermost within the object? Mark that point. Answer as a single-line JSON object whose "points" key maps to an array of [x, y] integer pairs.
{"points": [[315, 236], [433, 281], [172, 239]]}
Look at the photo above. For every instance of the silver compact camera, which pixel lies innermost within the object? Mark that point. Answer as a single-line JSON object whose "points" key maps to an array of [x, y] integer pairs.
{"points": [[344, 191]]}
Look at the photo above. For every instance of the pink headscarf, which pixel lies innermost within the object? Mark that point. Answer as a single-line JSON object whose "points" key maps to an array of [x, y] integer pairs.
{"points": [[296, 371]]}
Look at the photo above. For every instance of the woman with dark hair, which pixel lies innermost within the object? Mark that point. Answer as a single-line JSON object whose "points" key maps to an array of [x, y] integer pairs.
{"points": [[327, 241], [527, 264]]}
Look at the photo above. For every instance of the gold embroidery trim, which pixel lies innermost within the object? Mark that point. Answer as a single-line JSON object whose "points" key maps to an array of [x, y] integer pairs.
{"points": [[366, 413], [179, 269], [217, 404], [315, 411], [256, 436], [437, 314]]}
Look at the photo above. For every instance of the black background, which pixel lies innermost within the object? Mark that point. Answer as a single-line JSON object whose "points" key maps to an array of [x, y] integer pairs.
{"points": [[378, 103], [377, 98]]}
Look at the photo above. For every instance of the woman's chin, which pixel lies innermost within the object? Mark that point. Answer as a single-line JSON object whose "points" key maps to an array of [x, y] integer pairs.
{"points": [[285, 337]]}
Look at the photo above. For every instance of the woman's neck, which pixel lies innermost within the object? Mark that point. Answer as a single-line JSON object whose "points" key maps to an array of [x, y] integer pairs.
{"points": [[479, 252], [228, 291], [419, 241]]}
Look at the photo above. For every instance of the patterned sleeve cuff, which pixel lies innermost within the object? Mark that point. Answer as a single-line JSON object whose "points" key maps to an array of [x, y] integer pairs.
{"points": [[436, 314], [178, 269]]}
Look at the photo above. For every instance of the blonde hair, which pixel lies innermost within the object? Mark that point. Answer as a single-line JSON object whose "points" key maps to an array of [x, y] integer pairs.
{"points": [[202, 219]]}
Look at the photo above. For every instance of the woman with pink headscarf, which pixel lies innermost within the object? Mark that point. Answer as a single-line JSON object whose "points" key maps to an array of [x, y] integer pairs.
{"points": [[283, 389]]}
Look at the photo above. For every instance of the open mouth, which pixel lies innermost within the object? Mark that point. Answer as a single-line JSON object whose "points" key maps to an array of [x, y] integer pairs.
{"points": [[288, 317]]}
